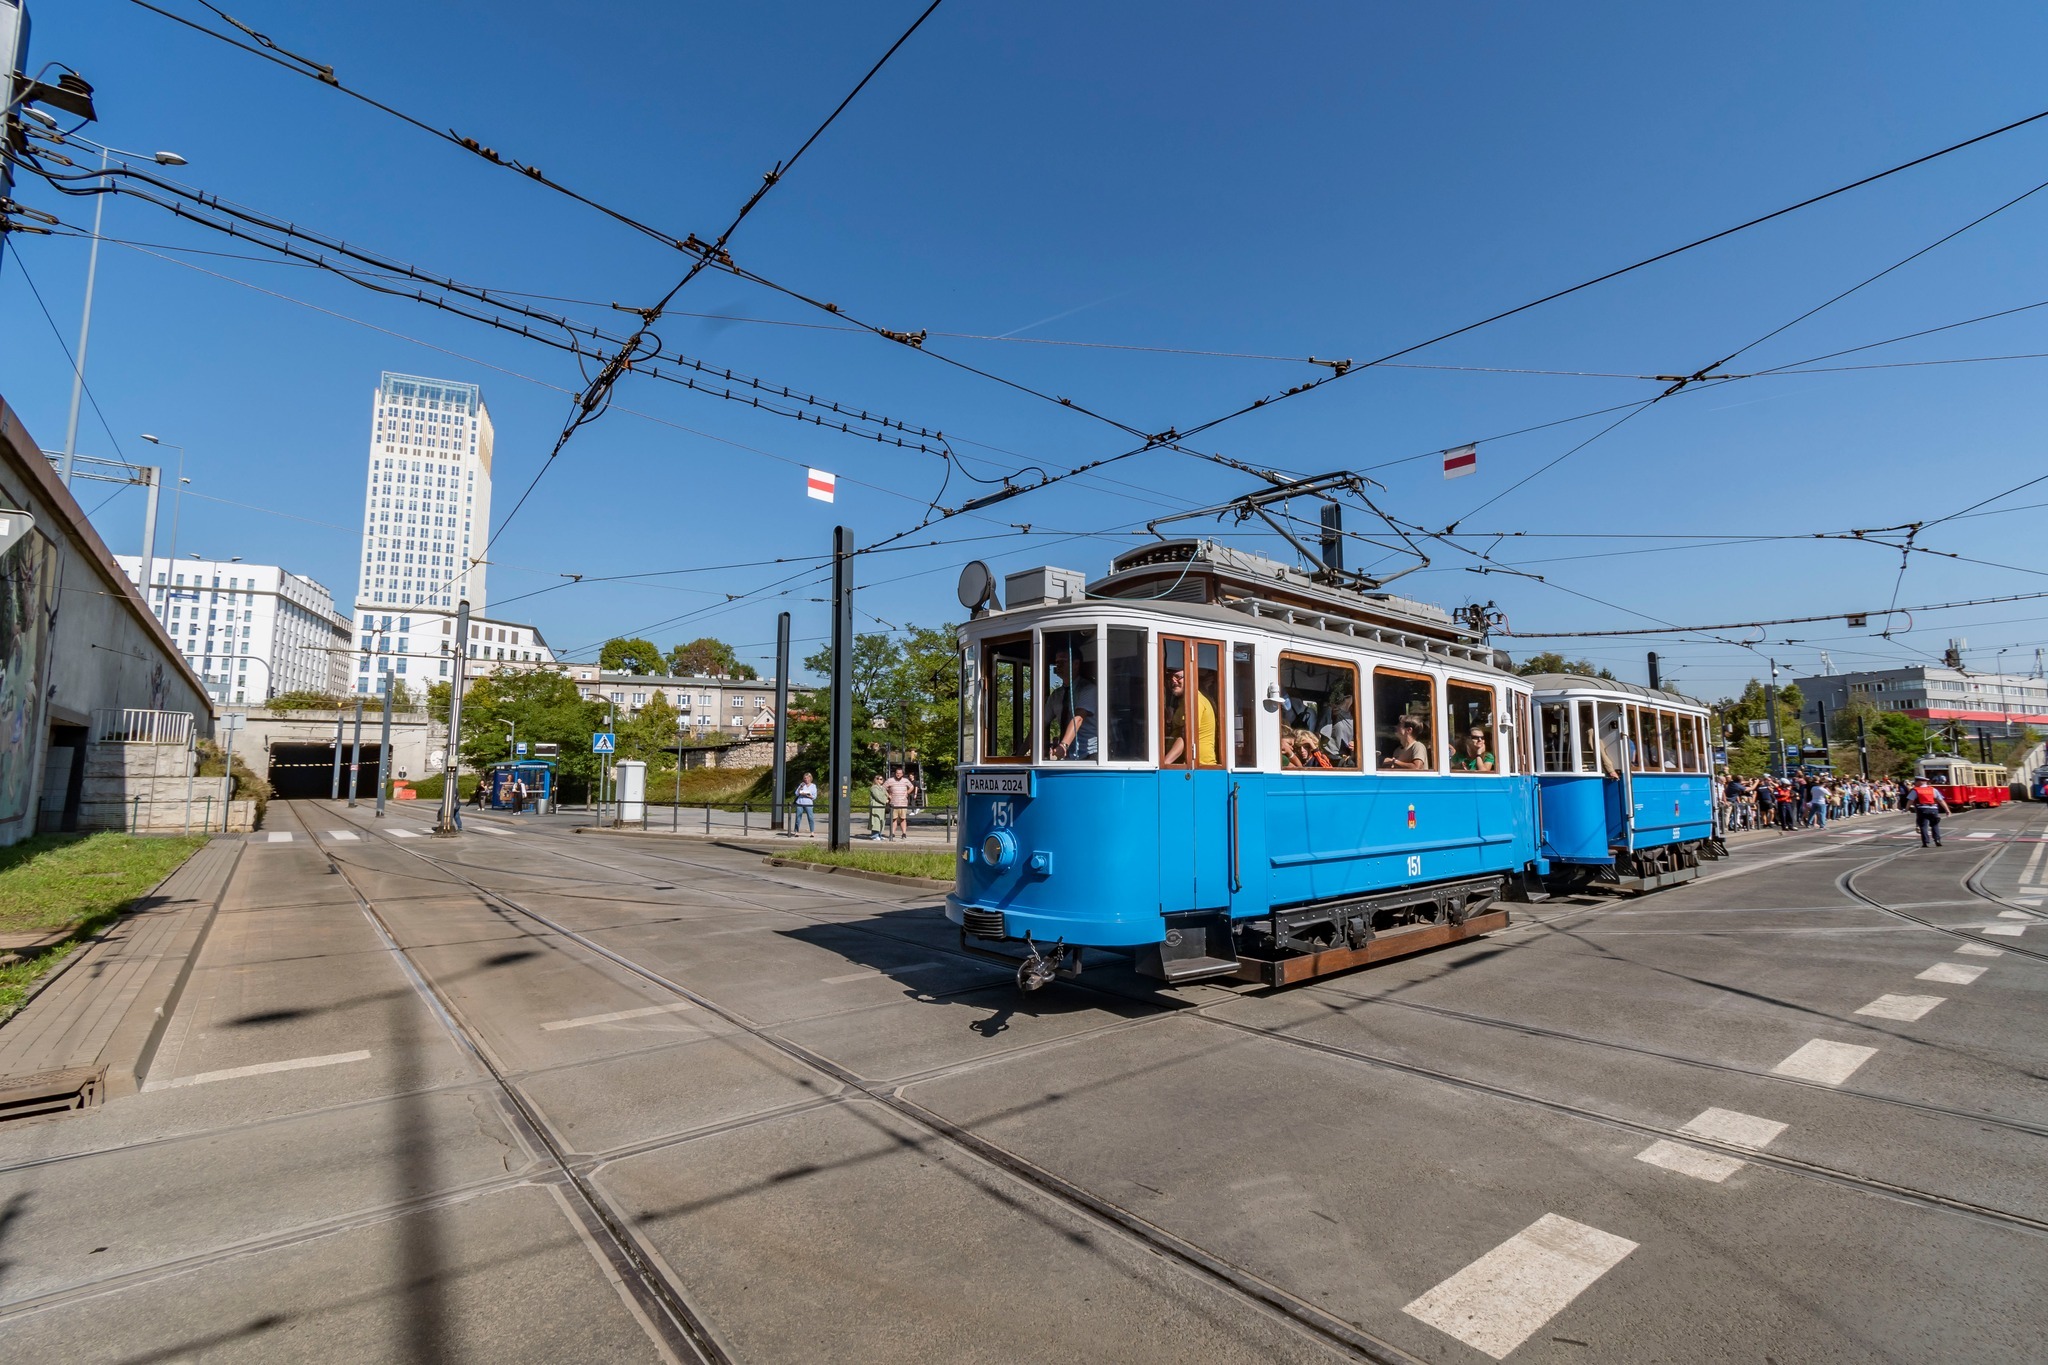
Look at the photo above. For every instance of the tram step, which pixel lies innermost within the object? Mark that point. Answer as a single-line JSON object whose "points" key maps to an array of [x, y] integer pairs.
{"points": [[1181, 969]]}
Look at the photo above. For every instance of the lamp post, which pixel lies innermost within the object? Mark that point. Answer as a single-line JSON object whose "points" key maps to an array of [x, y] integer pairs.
{"points": [[92, 270], [177, 492], [511, 738]]}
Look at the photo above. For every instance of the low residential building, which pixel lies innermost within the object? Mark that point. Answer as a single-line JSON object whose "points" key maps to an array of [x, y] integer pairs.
{"points": [[251, 631], [733, 706], [2001, 703]]}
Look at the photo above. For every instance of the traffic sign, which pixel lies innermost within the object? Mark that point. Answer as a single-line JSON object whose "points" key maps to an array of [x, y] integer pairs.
{"points": [[603, 742], [520, 747]]}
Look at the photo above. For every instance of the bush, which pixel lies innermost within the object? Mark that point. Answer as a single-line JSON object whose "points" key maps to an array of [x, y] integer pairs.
{"points": [[305, 701], [248, 786]]}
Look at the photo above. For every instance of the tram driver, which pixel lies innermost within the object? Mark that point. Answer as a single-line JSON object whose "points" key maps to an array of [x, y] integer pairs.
{"points": [[1077, 693], [1410, 754], [1176, 723]]}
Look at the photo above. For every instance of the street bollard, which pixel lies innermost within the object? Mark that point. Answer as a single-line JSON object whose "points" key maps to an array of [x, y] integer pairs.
{"points": [[135, 820], [707, 819], [675, 818], [746, 821]]}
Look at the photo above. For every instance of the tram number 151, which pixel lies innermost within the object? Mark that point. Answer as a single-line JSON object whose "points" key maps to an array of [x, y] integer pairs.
{"points": [[1415, 864], [999, 812]]}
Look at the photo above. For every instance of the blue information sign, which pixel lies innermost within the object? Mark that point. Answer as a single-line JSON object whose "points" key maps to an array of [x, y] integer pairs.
{"points": [[603, 742], [520, 747]]}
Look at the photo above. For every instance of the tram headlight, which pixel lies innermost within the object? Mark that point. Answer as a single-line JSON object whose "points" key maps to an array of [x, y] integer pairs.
{"points": [[999, 850]]}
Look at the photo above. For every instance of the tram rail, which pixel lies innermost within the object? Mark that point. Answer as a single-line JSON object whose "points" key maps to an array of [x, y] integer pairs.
{"points": [[1191, 1254]]}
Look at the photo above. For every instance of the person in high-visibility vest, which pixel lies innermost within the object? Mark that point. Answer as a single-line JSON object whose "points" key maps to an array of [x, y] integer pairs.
{"points": [[1928, 808]]}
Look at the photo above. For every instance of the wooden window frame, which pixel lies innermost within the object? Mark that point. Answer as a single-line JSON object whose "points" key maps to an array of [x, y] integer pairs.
{"points": [[986, 700], [1437, 755], [1192, 643], [1358, 731], [1500, 767]]}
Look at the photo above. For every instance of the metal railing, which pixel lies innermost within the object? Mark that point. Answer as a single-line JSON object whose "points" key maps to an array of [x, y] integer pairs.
{"points": [[132, 726]]}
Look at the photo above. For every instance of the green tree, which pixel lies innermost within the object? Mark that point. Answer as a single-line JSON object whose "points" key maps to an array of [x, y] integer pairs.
{"points": [[650, 734], [1553, 662], [906, 695], [620, 655], [437, 701], [546, 708], [707, 657]]}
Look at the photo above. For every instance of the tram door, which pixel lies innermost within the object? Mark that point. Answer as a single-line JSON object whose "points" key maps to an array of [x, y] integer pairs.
{"points": [[1194, 785]]}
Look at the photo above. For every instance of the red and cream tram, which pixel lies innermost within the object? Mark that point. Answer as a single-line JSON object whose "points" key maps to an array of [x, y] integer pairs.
{"points": [[1963, 783]]}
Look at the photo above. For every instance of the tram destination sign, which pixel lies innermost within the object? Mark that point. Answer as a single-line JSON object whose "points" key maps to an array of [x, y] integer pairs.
{"points": [[1000, 783]]}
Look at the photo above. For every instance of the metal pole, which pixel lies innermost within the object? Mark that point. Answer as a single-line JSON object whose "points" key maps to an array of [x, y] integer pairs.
{"points": [[841, 758], [1771, 715], [153, 476], [177, 506], [92, 270], [384, 754], [1862, 749], [449, 797], [781, 716], [355, 756], [14, 28], [339, 721], [227, 800]]}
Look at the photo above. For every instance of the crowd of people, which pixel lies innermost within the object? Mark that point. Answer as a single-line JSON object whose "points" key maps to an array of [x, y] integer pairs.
{"points": [[1804, 801]]}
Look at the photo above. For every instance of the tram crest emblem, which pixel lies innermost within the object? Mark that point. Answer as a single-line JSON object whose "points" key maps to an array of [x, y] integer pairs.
{"points": [[1674, 810], [1411, 817]]}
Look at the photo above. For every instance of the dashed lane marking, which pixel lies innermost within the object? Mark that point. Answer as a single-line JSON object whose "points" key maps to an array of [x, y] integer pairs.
{"points": [[484, 829], [1727, 1125], [2004, 930], [1982, 834], [1953, 973], [877, 971], [617, 1016], [347, 836], [1824, 1062], [2016, 914], [403, 833], [1502, 1299], [1676, 1156], [1902, 1007], [277, 838], [235, 1073], [1979, 950]]}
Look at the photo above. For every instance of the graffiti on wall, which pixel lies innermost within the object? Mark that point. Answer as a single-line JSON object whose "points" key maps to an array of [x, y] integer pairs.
{"points": [[27, 606]]}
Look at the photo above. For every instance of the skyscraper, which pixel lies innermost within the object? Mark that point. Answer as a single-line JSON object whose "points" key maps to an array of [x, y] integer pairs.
{"points": [[427, 508]]}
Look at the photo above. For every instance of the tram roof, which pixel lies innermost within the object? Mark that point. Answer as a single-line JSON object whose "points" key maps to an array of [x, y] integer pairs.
{"points": [[1584, 682]]}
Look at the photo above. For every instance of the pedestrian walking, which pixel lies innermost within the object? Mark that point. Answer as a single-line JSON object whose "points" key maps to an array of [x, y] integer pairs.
{"points": [[806, 801], [898, 789], [1928, 807]]}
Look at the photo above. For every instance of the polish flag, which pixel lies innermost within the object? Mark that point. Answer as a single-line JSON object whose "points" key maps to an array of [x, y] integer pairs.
{"points": [[1460, 462], [822, 485]]}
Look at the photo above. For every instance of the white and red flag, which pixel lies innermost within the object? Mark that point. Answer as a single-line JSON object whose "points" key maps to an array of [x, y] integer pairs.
{"points": [[1460, 462], [822, 485]]}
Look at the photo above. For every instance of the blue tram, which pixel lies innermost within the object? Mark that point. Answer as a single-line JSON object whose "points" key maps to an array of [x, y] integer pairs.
{"points": [[1625, 784], [1233, 768]]}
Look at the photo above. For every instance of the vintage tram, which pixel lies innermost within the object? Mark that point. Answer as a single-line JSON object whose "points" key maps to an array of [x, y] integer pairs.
{"points": [[1962, 783], [1232, 768], [1625, 784]]}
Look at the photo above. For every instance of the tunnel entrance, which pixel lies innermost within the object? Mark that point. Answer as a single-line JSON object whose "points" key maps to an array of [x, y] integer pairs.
{"points": [[300, 772]]}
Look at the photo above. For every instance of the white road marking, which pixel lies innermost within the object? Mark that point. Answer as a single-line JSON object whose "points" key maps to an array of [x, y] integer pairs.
{"points": [[1982, 834], [2034, 862], [2004, 930], [484, 829], [277, 838], [617, 1016], [1954, 973], [347, 836], [1904, 1007], [2016, 914], [1676, 1156], [1726, 1125], [403, 833], [260, 1069], [1979, 950], [1500, 1300], [1825, 1062], [893, 971], [2026, 900]]}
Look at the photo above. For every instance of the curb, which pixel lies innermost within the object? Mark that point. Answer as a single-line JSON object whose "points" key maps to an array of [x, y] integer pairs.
{"points": [[127, 1078]]}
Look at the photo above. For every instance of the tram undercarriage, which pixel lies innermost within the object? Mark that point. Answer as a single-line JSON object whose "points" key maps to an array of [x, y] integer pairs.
{"points": [[1639, 870], [1287, 945]]}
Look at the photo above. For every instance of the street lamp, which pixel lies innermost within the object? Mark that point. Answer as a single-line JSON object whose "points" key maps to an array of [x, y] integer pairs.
{"points": [[177, 493], [92, 270], [511, 735]]}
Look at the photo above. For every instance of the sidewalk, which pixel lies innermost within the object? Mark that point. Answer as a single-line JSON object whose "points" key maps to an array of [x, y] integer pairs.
{"points": [[90, 1033]]}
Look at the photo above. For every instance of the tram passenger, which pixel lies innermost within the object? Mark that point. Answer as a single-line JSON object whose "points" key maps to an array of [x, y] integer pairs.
{"points": [[1339, 736], [1474, 754], [1176, 723], [1409, 754], [1313, 754]]}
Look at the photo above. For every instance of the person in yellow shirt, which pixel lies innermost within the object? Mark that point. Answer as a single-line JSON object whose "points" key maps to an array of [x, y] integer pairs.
{"points": [[1176, 724]]}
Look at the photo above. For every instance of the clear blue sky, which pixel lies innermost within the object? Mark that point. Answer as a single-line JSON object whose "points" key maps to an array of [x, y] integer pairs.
{"points": [[1327, 180]]}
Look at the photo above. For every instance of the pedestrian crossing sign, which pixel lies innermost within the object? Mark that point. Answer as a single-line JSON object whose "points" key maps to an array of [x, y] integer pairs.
{"points": [[603, 742]]}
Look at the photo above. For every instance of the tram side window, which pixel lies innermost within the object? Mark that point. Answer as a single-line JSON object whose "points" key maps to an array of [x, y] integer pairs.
{"points": [[1125, 703], [1518, 715], [1589, 740], [1244, 708], [1642, 732], [1318, 714], [1006, 701], [1689, 745], [969, 682], [1557, 732], [1667, 731], [1403, 712], [1072, 710], [1614, 742], [1474, 741], [1188, 724]]}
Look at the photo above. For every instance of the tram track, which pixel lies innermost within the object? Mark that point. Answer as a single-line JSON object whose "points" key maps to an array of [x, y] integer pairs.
{"points": [[888, 1093], [1846, 884]]}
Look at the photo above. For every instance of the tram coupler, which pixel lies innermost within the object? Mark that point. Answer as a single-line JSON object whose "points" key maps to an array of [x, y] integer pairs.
{"points": [[1038, 969]]}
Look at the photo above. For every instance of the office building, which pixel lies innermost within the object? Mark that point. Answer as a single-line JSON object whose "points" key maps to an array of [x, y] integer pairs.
{"points": [[250, 631], [427, 499], [1999, 703], [418, 649]]}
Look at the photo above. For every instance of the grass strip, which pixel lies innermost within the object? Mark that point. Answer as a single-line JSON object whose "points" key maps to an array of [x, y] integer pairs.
{"points": [[936, 864]]}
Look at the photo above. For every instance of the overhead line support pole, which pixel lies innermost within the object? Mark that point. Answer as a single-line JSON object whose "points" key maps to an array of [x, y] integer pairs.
{"points": [[781, 717], [450, 799], [841, 758]]}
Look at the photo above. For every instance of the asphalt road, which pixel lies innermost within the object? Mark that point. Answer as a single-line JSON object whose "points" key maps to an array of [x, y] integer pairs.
{"points": [[528, 1095]]}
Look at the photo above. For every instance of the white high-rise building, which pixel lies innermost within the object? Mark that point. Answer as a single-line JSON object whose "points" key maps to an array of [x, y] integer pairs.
{"points": [[427, 503], [250, 631]]}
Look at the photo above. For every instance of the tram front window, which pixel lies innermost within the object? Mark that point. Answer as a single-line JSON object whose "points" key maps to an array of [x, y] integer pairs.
{"points": [[1318, 714], [1191, 682], [1404, 714], [1072, 708], [1124, 705], [1006, 701], [1473, 747], [1557, 736]]}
